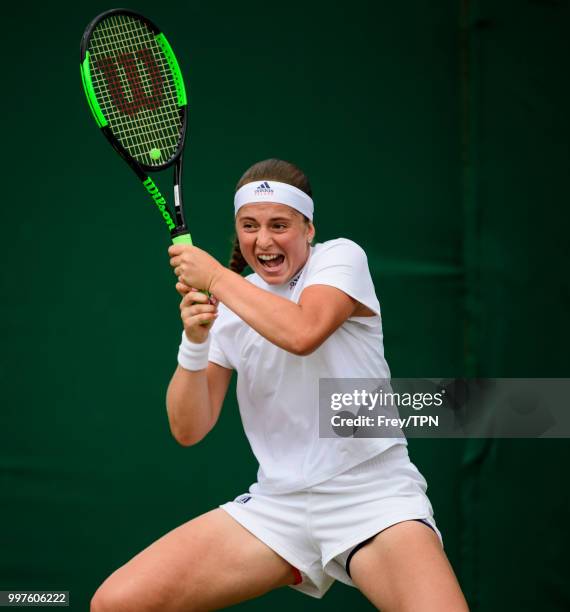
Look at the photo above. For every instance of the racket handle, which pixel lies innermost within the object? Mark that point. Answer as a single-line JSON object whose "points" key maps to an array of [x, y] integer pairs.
{"points": [[186, 239], [182, 239]]}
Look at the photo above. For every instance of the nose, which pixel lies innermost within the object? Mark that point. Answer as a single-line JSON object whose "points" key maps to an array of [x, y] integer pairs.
{"points": [[263, 239]]}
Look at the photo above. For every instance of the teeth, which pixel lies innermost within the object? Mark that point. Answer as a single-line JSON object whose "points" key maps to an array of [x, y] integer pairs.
{"points": [[268, 257]]}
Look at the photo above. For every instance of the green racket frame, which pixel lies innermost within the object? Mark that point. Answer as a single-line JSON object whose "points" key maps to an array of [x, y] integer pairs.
{"points": [[175, 222]]}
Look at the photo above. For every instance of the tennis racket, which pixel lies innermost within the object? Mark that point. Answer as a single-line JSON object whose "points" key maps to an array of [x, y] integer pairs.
{"points": [[136, 94]]}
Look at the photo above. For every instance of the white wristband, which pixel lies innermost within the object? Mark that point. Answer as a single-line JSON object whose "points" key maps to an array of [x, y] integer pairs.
{"points": [[193, 356]]}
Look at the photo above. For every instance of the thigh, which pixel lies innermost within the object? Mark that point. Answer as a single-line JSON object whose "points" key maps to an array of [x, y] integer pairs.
{"points": [[209, 563], [404, 569]]}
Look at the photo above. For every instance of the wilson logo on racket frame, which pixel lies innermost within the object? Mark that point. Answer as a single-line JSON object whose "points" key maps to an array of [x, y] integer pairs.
{"points": [[159, 201]]}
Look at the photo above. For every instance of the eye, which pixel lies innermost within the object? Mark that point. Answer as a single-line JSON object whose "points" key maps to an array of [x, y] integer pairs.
{"points": [[280, 226]]}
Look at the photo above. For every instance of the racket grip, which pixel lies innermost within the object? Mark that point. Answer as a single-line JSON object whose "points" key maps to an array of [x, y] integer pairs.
{"points": [[182, 239], [186, 239]]}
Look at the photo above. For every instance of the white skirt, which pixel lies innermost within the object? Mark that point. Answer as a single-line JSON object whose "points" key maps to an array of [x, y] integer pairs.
{"points": [[316, 529]]}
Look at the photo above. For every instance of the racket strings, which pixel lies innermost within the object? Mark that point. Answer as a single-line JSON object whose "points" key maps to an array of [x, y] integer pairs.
{"points": [[133, 129], [135, 88], [140, 126]]}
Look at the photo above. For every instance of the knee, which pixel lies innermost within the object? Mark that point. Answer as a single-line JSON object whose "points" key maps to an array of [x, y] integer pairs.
{"points": [[110, 598], [118, 594]]}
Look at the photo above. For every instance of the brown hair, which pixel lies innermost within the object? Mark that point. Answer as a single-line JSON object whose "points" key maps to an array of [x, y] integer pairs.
{"points": [[272, 169]]}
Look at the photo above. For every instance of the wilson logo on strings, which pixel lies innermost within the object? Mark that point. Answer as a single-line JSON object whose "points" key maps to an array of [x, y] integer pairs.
{"points": [[137, 98]]}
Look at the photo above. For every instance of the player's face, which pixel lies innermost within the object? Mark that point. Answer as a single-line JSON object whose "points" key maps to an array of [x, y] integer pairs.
{"points": [[274, 240]]}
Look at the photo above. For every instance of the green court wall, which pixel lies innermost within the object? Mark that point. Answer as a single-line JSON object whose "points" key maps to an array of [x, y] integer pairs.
{"points": [[434, 134]]}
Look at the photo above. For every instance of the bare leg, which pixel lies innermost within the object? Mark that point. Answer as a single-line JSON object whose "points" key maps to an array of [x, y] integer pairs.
{"points": [[209, 563], [404, 569]]}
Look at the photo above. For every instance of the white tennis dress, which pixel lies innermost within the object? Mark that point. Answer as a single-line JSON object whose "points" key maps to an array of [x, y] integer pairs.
{"points": [[303, 504]]}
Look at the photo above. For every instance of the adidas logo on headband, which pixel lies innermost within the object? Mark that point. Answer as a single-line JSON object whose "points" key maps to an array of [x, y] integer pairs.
{"points": [[264, 189], [276, 193]]}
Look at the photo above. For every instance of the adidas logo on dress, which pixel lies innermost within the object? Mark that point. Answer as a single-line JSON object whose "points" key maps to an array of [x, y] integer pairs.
{"points": [[242, 499], [294, 281]]}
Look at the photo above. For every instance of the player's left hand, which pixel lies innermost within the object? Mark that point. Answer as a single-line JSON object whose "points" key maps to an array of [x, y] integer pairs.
{"points": [[194, 267]]}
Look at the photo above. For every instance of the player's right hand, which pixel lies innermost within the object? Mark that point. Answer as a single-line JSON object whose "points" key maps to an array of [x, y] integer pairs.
{"points": [[197, 311]]}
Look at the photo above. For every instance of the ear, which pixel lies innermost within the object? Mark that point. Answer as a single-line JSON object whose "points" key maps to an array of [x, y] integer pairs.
{"points": [[311, 233]]}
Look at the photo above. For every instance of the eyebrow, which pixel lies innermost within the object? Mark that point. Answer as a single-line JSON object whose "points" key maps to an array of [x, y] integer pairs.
{"points": [[270, 220]]}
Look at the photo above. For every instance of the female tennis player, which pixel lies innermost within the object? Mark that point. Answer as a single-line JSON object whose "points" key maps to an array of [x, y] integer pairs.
{"points": [[353, 510]]}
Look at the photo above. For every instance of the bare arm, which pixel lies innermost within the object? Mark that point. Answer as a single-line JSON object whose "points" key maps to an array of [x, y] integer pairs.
{"points": [[298, 328], [194, 398], [194, 401]]}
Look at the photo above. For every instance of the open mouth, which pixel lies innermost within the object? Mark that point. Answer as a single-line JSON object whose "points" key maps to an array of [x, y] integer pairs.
{"points": [[270, 261]]}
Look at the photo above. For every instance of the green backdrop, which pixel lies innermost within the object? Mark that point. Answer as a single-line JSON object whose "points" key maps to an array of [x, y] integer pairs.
{"points": [[435, 135]]}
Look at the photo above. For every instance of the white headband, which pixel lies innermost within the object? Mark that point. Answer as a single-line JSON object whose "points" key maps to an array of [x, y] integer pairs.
{"points": [[279, 193]]}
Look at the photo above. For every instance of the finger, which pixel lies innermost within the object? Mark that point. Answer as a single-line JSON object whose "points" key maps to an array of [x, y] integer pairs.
{"points": [[200, 297], [195, 296], [207, 318], [175, 249], [183, 286], [179, 272], [195, 309], [200, 319], [175, 261], [182, 289]]}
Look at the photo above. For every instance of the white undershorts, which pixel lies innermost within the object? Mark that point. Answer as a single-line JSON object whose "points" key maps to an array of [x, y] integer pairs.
{"points": [[316, 529]]}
